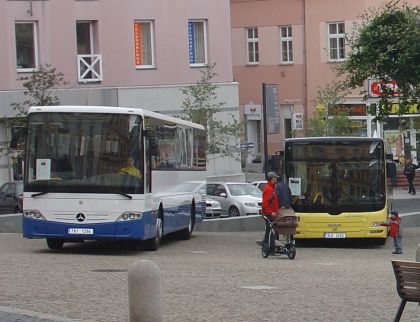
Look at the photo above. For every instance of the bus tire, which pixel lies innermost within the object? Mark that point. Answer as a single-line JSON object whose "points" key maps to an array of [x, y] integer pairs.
{"points": [[55, 243], [187, 232], [153, 244]]}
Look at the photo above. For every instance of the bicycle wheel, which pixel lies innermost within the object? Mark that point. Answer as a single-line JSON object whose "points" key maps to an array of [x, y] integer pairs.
{"points": [[265, 250], [291, 251]]}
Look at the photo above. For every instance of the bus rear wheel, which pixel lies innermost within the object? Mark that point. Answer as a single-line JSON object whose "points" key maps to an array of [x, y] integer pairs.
{"points": [[153, 244], [55, 243], [186, 233]]}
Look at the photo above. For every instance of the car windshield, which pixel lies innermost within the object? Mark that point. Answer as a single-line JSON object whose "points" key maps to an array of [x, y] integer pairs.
{"points": [[241, 189]]}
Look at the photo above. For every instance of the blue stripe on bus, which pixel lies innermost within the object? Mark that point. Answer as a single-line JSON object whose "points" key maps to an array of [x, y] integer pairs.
{"points": [[134, 229], [174, 219]]}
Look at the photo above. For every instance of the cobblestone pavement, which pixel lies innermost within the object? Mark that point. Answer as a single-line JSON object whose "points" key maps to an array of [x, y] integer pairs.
{"points": [[212, 277]]}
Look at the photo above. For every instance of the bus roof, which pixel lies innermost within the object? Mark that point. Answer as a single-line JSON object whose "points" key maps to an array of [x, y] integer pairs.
{"points": [[330, 139], [110, 110]]}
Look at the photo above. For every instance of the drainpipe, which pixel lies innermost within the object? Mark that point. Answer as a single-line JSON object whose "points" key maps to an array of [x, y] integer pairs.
{"points": [[30, 8], [305, 62]]}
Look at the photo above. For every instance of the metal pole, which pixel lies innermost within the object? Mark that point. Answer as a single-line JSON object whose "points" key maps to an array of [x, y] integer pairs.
{"points": [[264, 114]]}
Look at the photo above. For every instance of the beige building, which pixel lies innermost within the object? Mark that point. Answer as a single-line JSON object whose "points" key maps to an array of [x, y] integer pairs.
{"points": [[294, 45]]}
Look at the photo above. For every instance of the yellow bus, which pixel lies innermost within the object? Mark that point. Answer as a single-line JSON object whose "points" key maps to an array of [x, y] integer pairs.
{"points": [[339, 187]]}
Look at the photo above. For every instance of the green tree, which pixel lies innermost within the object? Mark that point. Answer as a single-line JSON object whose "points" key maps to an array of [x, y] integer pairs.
{"points": [[201, 106], [323, 123], [385, 46], [39, 90]]}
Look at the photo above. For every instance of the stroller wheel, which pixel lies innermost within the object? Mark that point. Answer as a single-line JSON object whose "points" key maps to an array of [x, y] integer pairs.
{"points": [[265, 250], [291, 251]]}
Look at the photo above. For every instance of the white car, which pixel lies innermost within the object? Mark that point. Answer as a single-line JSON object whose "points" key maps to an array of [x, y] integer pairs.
{"points": [[236, 198], [259, 184], [213, 208]]}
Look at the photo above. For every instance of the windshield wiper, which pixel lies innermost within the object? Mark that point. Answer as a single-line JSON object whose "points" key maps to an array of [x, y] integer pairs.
{"points": [[38, 194], [125, 195]]}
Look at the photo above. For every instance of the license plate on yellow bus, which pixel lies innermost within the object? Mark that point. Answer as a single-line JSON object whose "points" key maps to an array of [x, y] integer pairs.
{"points": [[334, 235], [80, 231]]}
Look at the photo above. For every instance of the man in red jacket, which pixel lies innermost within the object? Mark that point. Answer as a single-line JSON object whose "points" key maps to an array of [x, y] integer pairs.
{"points": [[269, 202]]}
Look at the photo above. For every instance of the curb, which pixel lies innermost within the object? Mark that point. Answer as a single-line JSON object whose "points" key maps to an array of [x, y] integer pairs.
{"points": [[13, 223]]}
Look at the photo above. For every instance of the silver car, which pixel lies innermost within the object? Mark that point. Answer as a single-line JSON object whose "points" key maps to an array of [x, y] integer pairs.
{"points": [[236, 198]]}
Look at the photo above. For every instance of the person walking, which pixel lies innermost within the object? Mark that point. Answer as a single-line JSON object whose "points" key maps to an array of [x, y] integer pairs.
{"points": [[284, 194], [269, 202], [395, 231], [410, 173]]}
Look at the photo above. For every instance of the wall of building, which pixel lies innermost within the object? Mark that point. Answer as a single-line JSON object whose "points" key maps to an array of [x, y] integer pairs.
{"points": [[157, 88]]}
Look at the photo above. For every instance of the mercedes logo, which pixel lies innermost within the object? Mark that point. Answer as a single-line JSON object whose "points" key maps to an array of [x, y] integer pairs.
{"points": [[80, 217]]}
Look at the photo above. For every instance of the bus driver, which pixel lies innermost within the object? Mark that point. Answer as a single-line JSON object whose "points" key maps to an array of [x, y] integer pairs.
{"points": [[130, 169]]}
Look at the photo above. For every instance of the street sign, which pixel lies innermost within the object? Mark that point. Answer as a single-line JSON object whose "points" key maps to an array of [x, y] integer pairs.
{"points": [[376, 88]]}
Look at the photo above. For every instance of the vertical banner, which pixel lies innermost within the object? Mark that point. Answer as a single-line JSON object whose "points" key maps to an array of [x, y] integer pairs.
{"points": [[137, 43], [272, 109], [191, 42]]}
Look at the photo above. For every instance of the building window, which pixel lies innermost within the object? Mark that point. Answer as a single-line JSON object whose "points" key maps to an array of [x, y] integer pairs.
{"points": [[197, 42], [253, 52], [143, 44], [286, 40], [26, 46], [336, 41]]}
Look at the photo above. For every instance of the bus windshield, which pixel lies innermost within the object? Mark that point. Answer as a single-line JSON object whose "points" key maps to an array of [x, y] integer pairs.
{"points": [[336, 177], [84, 153]]}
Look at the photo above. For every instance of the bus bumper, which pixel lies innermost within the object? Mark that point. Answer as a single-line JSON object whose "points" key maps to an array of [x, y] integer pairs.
{"points": [[139, 229]]}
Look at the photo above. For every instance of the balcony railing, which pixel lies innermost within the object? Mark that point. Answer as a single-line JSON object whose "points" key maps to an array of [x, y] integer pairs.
{"points": [[89, 68]]}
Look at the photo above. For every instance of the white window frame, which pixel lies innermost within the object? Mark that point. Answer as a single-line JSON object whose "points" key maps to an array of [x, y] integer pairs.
{"points": [[288, 40], [337, 37], [152, 44], [191, 43], [35, 43], [253, 41]]}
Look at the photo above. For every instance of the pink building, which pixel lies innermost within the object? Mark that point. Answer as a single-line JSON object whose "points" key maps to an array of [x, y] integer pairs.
{"points": [[136, 53], [294, 45]]}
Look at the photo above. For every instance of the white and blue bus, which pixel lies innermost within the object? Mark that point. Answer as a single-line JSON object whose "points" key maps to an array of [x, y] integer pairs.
{"points": [[78, 181]]}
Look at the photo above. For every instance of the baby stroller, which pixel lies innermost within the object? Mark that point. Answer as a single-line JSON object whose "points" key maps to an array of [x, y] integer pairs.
{"points": [[285, 227]]}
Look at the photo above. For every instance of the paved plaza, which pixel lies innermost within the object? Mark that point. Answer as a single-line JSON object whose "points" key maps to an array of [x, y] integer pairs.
{"points": [[212, 277]]}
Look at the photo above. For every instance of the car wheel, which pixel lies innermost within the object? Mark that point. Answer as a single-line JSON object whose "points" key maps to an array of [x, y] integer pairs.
{"points": [[153, 244], [233, 212], [55, 243]]}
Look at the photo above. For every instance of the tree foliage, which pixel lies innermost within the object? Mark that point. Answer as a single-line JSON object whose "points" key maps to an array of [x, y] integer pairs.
{"points": [[385, 47], [39, 90], [324, 124], [201, 106]]}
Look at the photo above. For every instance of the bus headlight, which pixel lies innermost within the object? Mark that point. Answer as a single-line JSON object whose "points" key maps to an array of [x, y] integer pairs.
{"points": [[130, 215], [33, 214]]}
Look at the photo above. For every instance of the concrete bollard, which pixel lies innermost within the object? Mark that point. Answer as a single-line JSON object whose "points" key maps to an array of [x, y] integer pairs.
{"points": [[418, 253], [144, 297]]}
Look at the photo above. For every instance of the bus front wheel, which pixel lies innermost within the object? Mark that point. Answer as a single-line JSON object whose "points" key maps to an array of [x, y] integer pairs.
{"points": [[54, 243], [153, 244]]}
